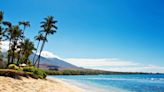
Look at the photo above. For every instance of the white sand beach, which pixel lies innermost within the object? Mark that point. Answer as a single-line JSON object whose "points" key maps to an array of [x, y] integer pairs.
{"points": [[8, 84]]}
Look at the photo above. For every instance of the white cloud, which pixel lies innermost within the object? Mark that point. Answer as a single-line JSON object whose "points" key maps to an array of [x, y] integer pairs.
{"points": [[149, 69], [100, 62], [48, 54], [4, 46], [111, 64]]}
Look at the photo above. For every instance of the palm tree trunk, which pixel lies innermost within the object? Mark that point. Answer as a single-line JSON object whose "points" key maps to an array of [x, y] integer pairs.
{"points": [[23, 32], [12, 59], [9, 56], [38, 60], [26, 60], [19, 54], [36, 52], [13, 54]]}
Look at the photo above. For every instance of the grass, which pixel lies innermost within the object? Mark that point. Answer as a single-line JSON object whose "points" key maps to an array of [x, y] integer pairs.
{"points": [[36, 72], [16, 72]]}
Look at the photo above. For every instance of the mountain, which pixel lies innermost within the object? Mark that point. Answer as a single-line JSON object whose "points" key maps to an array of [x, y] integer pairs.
{"points": [[51, 63], [54, 63]]}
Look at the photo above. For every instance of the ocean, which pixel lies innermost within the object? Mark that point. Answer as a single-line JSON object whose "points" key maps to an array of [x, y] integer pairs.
{"points": [[117, 83]]}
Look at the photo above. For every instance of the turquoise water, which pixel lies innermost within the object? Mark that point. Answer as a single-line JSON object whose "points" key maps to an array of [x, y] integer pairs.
{"points": [[118, 83]]}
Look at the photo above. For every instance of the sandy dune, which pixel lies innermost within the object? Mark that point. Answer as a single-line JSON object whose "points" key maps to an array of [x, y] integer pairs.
{"points": [[35, 85]]}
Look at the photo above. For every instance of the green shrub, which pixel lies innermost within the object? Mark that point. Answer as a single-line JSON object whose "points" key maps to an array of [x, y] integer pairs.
{"points": [[29, 69], [13, 66], [40, 73], [37, 72]]}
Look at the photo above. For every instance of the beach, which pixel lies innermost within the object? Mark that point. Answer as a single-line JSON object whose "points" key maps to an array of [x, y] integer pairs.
{"points": [[8, 84]]}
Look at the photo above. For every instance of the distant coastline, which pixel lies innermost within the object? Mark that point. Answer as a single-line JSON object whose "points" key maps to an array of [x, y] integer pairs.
{"points": [[90, 72]]}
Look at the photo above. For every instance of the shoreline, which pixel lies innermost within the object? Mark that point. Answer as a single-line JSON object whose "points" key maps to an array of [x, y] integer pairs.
{"points": [[87, 88], [8, 84], [90, 87]]}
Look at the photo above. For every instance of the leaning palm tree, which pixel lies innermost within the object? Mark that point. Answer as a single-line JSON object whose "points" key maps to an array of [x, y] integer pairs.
{"points": [[39, 38], [49, 27]]}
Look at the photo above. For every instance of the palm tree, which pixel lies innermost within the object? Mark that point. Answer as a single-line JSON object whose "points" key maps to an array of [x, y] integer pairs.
{"points": [[27, 48], [1, 29], [1, 32], [25, 24], [39, 38], [16, 34], [49, 27], [8, 29]]}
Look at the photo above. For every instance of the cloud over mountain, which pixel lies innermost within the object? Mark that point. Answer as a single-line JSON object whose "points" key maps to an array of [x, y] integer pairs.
{"points": [[48, 54]]}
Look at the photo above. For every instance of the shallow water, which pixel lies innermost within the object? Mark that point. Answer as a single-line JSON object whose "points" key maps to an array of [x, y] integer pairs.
{"points": [[118, 83]]}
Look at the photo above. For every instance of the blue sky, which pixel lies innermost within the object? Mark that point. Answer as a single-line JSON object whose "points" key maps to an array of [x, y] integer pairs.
{"points": [[130, 30]]}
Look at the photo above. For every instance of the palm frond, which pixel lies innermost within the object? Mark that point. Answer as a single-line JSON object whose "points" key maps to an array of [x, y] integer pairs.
{"points": [[54, 27], [1, 15], [7, 23]]}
